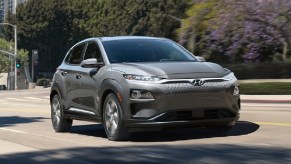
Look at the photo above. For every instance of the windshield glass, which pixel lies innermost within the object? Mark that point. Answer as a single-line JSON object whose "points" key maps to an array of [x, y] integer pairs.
{"points": [[145, 50]]}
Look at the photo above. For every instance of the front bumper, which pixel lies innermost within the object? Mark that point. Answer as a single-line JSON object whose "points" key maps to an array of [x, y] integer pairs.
{"points": [[151, 125], [180, 103]]}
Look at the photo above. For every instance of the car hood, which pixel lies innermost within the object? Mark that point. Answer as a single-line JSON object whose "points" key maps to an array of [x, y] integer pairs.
{"points": [[173, 70]]}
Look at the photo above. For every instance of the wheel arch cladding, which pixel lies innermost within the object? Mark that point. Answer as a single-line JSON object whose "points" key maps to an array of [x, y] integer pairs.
{"points": [[53, 93], [110, 86]]}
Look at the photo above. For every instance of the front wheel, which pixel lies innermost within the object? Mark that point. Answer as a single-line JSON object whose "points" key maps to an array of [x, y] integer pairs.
{"points": [[113, 120], [60, 124]]}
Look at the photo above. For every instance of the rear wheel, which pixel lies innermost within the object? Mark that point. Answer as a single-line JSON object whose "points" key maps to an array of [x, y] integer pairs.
{"points": [[60, 124], [113, 120]]}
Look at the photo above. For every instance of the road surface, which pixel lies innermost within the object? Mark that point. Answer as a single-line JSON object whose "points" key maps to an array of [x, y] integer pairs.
{"points": [[26, 136]]}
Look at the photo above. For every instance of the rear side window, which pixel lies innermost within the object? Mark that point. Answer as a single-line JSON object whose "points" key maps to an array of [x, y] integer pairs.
{"points": [[75, 56], [93, 51]]}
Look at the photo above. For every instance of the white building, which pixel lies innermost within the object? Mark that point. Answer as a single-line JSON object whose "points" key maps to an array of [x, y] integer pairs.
{"points": [[8, 6]]}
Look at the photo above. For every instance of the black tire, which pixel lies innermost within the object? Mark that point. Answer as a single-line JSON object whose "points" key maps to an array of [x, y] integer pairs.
{"points": [[219, 129], [60, 124], [113, 119]]}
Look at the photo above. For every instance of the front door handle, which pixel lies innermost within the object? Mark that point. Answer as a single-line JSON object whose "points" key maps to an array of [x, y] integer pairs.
{"points": [[78, 76], [63, 73]]}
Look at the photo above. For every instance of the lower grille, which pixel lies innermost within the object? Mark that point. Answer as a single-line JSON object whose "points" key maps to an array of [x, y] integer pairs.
{"points": [[195, 115], [211, 114]]}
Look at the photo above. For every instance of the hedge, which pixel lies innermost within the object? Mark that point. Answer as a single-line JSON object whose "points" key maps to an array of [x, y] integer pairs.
{"points": [[261, 70]]}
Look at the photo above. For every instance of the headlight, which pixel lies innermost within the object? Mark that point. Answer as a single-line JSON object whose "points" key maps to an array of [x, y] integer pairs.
{"points": [[141, 77], [236, 90], [230, 76]]}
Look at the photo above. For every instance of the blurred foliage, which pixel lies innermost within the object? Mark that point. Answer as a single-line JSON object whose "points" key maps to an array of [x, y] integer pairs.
{"points": [[4, 58], [269, 88], [223, 31], [43, 82], [230, 31], [53, 26], [260, 70]]}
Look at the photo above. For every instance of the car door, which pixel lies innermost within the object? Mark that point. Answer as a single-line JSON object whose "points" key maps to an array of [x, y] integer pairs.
{"points": [[87, 90], [71, 72]]}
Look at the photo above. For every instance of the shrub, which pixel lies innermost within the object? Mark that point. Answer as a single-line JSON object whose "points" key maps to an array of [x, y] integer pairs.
{"points": [[42, 82], [261, 70]]}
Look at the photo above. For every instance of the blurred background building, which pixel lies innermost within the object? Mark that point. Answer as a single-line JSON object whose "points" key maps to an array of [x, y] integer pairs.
{"points": [[8, 6]]}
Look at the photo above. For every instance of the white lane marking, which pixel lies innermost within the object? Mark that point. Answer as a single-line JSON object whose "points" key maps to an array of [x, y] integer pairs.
{"points": [[33, 98], [24, 99], [46, 97], [15, 99], [273, 123], [43, 98], [11, 130]]}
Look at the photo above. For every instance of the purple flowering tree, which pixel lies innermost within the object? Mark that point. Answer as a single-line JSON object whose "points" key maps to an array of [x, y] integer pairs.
{"points": [[245, 30]]}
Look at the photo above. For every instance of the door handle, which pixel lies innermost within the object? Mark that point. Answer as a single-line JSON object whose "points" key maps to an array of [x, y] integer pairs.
{"points": [[78, 76], [63, 73]]}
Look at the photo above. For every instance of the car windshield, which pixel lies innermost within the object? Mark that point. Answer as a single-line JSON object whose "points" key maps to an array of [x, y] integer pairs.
{"points": [[145, 50]]}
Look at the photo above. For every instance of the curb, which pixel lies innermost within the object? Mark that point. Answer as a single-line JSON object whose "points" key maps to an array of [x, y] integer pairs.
{"points": [[266, 101]]}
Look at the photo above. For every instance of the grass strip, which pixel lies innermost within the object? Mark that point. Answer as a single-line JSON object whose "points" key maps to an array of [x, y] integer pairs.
{"points": [[266, 88]]}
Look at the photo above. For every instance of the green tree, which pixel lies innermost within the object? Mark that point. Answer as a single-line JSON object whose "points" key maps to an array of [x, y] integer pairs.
{"points": [[52, 26], [195, 26], [4, 58], [8, 30]]}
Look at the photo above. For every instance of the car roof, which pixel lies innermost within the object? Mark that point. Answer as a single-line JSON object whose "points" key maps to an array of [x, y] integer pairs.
{"points": [[127, 37], [113, 38]]}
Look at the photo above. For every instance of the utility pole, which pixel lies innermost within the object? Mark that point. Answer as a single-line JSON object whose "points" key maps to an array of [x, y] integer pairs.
{"points": [[15, 47], [15, 52]]}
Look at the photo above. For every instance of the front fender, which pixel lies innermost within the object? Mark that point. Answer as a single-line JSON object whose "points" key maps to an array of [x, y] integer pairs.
{"points": [[56, 89], [109, 86]]}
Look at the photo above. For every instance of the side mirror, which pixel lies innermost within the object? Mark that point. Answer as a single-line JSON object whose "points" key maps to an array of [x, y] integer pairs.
{"points": [[200, 58], [91, 63]]}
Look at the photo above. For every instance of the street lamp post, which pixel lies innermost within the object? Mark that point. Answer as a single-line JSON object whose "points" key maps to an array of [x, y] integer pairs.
{"points": [[15, 51]]}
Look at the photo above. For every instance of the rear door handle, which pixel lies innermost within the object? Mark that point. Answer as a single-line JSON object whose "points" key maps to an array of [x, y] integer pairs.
{"points": [[78, 76], [64, 73]]}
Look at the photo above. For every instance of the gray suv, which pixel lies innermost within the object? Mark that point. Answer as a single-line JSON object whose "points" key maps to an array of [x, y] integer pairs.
{"points": [[133, 84]]}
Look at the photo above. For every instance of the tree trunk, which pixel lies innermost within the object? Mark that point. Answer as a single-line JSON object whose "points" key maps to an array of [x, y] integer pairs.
{"points": [[285, 51]]}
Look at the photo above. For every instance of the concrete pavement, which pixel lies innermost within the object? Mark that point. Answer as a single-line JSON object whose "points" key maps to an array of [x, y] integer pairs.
{"points": [[27, 136], [244, 98]]}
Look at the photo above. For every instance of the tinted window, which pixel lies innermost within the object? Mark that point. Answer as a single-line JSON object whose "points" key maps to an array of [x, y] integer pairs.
{"points": [[145, 50], [75, 56], [93, 51]]}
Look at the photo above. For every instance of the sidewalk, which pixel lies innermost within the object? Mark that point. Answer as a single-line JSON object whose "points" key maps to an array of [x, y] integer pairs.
{"points": [[266, 99], [265, 80]]}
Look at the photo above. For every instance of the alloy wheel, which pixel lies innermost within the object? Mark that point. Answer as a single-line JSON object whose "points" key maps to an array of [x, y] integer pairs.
{"points": [[56, 115], [111, 117]]}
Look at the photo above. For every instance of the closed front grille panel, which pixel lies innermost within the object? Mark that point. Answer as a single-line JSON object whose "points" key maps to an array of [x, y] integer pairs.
{"points": [[186, 88]]}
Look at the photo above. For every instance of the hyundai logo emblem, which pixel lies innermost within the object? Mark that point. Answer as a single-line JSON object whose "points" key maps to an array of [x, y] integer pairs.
{"points": [[198, 82]]}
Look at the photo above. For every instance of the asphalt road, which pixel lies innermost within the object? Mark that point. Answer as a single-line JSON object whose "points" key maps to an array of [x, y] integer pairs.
{"points": [[26, 136]]}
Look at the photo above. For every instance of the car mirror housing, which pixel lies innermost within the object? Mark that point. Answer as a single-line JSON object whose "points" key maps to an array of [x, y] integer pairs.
{"points": [[91, 63], [200, 58]]}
